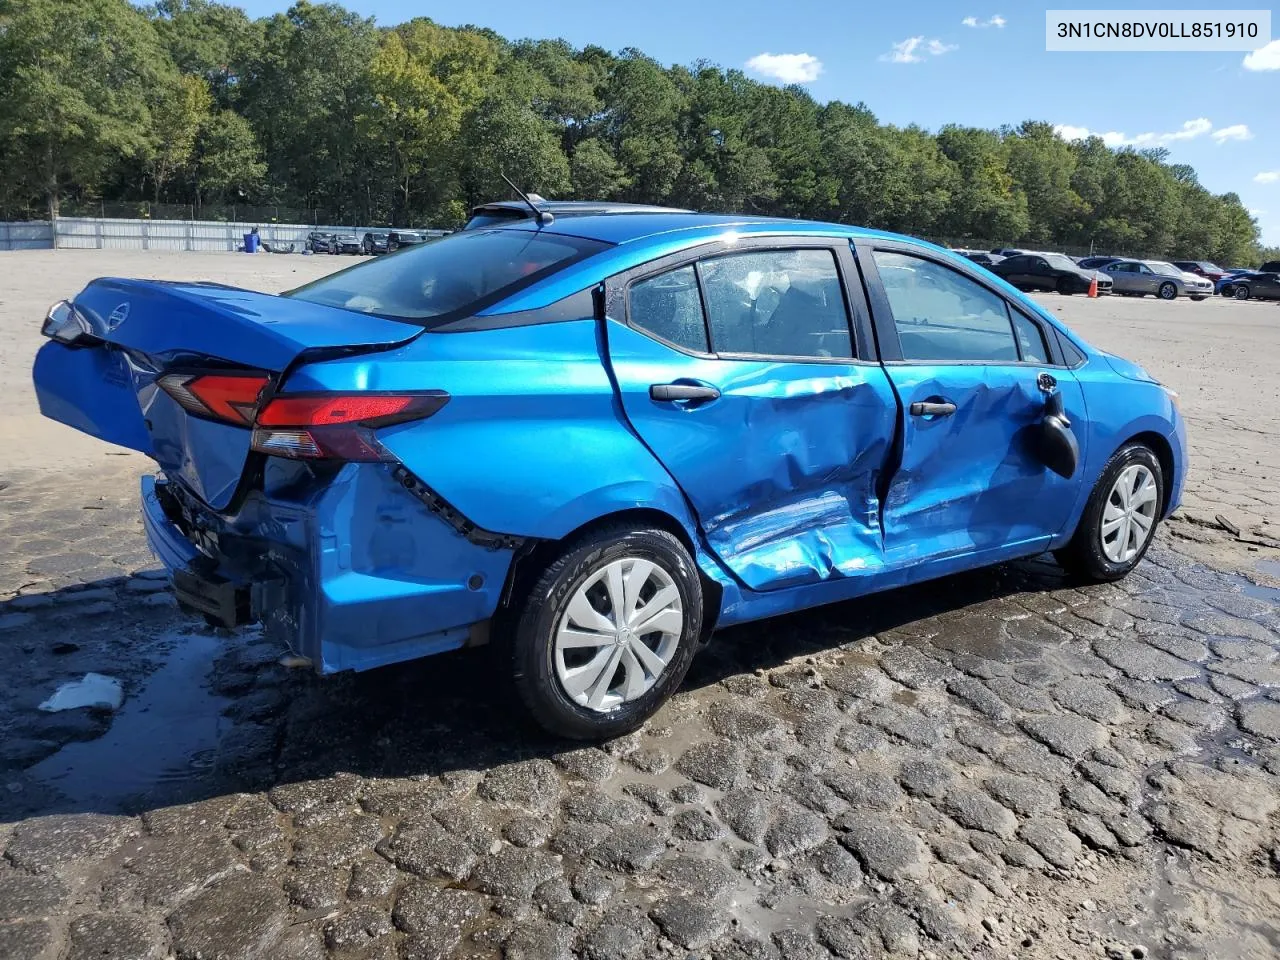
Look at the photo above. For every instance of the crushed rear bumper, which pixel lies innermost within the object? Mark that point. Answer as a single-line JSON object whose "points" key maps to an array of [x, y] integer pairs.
{"points": [[354, 574]]}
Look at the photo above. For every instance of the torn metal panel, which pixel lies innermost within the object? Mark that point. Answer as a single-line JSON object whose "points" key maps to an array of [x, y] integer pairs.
{"points": [[781, 468]]}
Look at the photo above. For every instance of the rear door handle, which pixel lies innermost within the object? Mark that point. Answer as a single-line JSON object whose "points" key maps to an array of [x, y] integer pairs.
{"points": [[670, 392], [931, 408]]}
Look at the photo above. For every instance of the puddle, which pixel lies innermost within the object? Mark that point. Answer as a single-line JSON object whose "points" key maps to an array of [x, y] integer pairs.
{"points": [[1270, 568], [93, 690], [163, 738]]}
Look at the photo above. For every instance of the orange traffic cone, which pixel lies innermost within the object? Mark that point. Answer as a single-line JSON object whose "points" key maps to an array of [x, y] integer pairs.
{"points": [[1093, 286]]}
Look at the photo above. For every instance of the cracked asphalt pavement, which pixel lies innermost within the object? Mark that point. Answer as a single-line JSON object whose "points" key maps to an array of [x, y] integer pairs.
{"points": [[999, 764]]}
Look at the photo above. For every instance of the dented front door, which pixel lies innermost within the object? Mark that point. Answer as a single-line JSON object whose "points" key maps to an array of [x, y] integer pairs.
{"points": [[779, 456]]}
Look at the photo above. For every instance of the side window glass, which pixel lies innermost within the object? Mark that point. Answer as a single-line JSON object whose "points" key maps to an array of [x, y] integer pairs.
{"points": [[1031, 343], [782, 303], [941, 315], [668, 306]]}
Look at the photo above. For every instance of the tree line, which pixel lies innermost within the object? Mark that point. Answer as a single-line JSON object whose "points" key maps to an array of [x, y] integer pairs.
{"points": [[193, 102]]}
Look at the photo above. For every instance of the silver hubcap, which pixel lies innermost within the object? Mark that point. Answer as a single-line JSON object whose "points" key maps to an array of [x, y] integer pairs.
{"points": [[1167, 291], [618, 634], [1130, 514]]}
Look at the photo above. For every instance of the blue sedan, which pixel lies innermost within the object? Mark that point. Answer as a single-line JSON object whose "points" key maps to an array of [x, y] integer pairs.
{"points": [[592, 442]]}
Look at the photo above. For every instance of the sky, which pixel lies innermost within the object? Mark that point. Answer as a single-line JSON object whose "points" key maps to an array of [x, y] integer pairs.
{"points": [[933, 62]]}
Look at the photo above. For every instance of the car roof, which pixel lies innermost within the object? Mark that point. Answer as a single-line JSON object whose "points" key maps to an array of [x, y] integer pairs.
{"points": [[695, 227]]}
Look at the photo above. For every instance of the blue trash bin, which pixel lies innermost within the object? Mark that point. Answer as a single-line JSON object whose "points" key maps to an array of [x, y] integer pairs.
{"points": [[250, 243]]}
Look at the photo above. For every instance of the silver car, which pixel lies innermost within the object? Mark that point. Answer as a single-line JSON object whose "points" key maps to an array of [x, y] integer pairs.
{"points": [[1164, 280]]}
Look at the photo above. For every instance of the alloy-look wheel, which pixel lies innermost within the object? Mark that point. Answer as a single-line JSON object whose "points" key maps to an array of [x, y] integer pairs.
{"points": [[607, 632], [1168, 291], [1240, 293], [1119, 518]]}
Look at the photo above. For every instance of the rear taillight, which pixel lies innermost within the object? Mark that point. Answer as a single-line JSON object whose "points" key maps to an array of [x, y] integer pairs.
{"points": [[229, 397], [62, 322], [337, 426]]}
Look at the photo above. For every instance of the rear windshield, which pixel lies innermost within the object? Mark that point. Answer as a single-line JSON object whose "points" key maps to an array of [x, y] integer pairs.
{"points": [[449, 278]]}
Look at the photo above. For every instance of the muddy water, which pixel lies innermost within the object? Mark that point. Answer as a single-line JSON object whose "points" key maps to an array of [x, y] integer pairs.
{"points": [[160, 741]]}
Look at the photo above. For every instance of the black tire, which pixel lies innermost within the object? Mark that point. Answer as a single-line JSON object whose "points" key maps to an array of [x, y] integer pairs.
{"points": [[1240, 292], [532, 643], [1064, 287], [1083, 556], [1167, 291], [1197, 299]]}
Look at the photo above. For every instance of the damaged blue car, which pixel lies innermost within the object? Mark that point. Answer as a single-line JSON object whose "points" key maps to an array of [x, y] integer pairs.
{"points": [[591, 442]]}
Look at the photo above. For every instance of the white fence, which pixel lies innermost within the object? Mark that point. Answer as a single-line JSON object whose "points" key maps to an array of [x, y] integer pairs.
{"points": [[92, 233], [33, 235]]}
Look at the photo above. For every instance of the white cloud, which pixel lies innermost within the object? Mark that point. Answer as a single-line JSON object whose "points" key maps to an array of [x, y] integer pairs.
{"points": [[912, 50], [1267, 176], [1237, 131], [787, 67], [1190, 130], [997, 21], [1069, 132], [1264, 58]]}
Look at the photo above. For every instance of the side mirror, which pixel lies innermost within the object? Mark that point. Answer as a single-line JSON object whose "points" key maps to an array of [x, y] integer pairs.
{"points": [[1058, 448]]}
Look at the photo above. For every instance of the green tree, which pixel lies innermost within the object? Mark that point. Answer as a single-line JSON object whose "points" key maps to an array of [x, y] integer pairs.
{"points": [[507, 138], [228, 160], [594, 172], [984, 202], [177, 119], [76, 80]]}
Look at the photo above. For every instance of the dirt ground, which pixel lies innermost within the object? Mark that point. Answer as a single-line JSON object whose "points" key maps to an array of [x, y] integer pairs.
{"points": [[999, 764]]}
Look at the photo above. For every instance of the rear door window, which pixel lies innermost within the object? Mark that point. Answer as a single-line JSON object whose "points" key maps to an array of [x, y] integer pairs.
{"points": [[782, 303], [453, 277], [669, 307]]}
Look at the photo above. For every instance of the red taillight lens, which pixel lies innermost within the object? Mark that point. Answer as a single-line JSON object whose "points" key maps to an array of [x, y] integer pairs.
{"points": [[327, 409], [337, 426], [231, 397]]}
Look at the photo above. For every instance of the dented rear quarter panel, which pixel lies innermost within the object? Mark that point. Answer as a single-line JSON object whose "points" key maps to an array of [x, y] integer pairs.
{"points": [[531, 443]]}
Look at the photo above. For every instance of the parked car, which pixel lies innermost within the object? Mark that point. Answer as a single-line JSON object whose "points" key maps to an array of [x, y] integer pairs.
{"points": [[1097, 263], [980, 257], [536, 437], [1155, 277], [502, 212], [1226, 286], [407, 238], [1271, 266], [346, 242], [1049, 271], [1201, 268], [376, 241], [1261, 285], [1011, 252], [319, 241]]}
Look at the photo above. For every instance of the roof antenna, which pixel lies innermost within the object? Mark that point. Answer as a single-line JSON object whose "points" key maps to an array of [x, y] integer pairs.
{"points": [[544, 218]]}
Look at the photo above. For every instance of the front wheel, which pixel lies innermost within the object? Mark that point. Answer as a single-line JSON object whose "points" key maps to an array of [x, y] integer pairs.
{"points": [[1198, 299], [1120, 517], [1064, 287], [1167, 291], [607, 633], [1240, 293]]}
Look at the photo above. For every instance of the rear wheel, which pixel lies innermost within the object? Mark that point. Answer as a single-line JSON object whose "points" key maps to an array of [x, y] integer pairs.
{"points": [[607, 632], [1198, 299], [1240, 293], [1120, 517], [1167, 291]]}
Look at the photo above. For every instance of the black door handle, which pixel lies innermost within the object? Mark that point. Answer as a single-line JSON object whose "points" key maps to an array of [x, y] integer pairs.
{"points": [[682, 391], [931, 408]]}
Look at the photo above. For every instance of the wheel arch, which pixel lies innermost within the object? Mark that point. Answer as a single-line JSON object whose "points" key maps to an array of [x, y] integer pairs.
{"points": [[1163, 449], [534, 557]]}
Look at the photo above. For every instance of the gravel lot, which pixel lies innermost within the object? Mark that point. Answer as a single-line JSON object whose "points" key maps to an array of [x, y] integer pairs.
{"points": [[996, 765]]}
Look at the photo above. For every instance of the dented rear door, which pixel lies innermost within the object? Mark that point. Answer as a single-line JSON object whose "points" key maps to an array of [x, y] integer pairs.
{"points": [[780, 456]]}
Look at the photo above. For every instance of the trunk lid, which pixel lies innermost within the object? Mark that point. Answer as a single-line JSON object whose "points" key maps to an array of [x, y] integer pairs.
{"points": [[145, 329]]}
